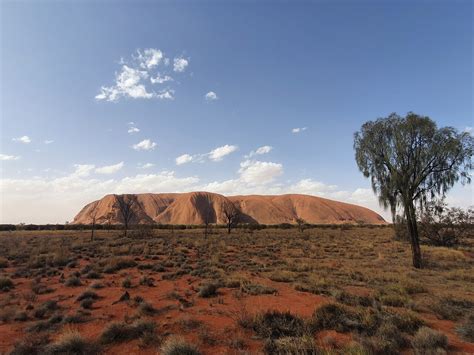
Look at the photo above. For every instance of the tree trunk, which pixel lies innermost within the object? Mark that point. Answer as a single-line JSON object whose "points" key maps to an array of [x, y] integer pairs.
{"points": [[126, 228], [229, 227], [413, 233]]}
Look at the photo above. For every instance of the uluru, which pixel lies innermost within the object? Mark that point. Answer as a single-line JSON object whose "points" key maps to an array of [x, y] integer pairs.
{"points": [[197, 208]]}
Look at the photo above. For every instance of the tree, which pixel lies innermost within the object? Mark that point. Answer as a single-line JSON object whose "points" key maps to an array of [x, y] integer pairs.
{"points": [[230, 214], [125, 204], [301, 223], [410, 161], [208, 214]]}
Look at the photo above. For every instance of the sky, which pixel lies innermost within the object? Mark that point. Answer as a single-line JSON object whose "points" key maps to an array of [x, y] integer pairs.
{"points": [[234, 97]]}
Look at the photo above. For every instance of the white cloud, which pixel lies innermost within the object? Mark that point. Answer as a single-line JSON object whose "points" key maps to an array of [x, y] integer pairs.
{"points": [[110, 169], [23, 139], [219, 153], [166, 94], [260, 151], [468, 129], [127, 84], [160, 79], [311, 187], [183, 159], [132, 130], [180, 64], [131, 80], [145, 144], [211, 96], [149, 58], [299, 129], [146, 166], [256, 172], [48, 141], [83, 170], [8, 157]]}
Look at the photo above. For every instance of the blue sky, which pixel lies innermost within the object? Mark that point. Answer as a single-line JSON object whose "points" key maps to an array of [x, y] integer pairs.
{"points": [[267, 68]]}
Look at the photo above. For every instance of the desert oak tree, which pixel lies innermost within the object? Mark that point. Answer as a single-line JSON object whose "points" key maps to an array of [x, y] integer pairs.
{"points": [[230, 214], [410, 161], [125, 204]]}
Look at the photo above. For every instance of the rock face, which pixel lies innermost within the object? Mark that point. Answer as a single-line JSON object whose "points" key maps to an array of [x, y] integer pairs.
{"points": [[195, 208]]}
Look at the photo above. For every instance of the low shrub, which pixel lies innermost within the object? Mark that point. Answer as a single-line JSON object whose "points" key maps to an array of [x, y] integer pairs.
{"points": [[336, 317], [427, 340], [72, 342], [208, 290], [6, 284], [178, 346], [466, 328], [275, 324]]}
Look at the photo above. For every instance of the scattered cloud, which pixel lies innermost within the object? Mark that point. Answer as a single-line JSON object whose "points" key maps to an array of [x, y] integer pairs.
{"points": [[48, 141], [133, 129], [23, 139], [127, 84], [110, 169], [146, 166], [83, 170], [299, 129], [8, 157], [180, 64], [149, 58], [160, 79], [219, 153], [145, 144], [166, 94], [132, 78], [260, 151], [183, 159], [211, 96]]}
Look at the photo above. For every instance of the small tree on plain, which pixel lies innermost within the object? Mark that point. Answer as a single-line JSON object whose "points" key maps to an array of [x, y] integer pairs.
{"points": [[125, 204], [208, 212], [409, 161], [301, 224], [230, 214]]}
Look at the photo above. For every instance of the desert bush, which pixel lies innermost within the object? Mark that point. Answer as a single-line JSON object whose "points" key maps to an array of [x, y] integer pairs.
{"points": [[428, 341], [443, 226], [87, 303], [292, 345], [352, 300], [31, 344], [127, 282], [452, 308], [73, 281], [466, 328], [178, 346], [118, 263], [45, 308], [72, 342], [121, 332], [147, 281], [146, 309], [257, 289], [208, 290], [282, 276], [336, 317], [275, 324], [3, 263], [6, 284], [87, 295], [93, 275]]}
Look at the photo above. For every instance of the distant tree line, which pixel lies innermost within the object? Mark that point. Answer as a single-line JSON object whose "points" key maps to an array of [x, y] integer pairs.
{"points": [[59, 227]]}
